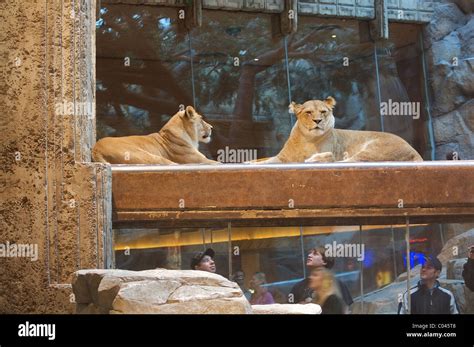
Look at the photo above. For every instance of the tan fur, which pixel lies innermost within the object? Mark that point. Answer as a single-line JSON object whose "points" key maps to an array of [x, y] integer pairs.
{"points": [[314, 139], [176, 143]]}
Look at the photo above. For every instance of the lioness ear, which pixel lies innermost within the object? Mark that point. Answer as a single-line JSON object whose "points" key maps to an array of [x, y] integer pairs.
{"points": [[190, 112], [330, 101], [295, 108]]}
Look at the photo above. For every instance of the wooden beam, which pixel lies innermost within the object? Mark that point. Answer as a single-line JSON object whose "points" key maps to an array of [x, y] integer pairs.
{"points": [[289, 17], [380, 29]]}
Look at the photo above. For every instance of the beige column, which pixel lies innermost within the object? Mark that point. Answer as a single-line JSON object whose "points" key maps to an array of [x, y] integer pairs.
{"points": [[50, 193]]}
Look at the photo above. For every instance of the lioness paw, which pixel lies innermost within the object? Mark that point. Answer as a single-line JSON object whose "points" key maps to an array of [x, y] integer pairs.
{"points": [[326, 157]]}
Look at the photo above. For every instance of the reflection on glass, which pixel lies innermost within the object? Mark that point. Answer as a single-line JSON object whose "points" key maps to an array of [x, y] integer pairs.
{"points": [[143, 69], [234, 70], [402, 86], [334, 58], [368, 262], [241, 82]]}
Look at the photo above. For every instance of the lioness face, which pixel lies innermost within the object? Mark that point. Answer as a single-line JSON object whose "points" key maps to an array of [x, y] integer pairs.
{"points": [[196, 126], [204, 130], [315, 117]]}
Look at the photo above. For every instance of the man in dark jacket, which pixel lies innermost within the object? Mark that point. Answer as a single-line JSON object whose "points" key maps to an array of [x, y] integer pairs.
{"points": [[301, 293], [428, 297], [468, 272]]}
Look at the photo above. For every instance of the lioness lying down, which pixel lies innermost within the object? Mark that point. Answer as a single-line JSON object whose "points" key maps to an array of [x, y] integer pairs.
{"points": [[176, 143], [314, 139]]}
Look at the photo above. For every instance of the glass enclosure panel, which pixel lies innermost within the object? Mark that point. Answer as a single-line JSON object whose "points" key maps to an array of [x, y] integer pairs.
{"points": [[143, 69], [234, 70], [240, 82], [402, 90], [329, 57], [346, 263], [385, 252], [169, 248], [369, 262], [275, 252]]}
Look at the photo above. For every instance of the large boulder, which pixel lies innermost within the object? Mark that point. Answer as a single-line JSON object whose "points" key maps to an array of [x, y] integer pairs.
{"points": [[157, 291], [287, 309]]}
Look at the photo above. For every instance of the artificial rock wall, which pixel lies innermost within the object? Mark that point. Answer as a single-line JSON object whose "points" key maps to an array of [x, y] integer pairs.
{"points": [[51, 195], [449, 46]]}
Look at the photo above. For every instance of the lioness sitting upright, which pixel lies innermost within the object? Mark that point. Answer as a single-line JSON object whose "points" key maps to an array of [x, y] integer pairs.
{"points": [[314, 139], [176, 143]]}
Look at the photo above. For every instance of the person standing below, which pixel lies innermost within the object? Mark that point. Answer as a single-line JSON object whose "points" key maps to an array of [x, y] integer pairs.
{"points": [[239, 278], [204, 261], [260, 295], [301, 292], [326, 291], [428, 297], [468, 270]]}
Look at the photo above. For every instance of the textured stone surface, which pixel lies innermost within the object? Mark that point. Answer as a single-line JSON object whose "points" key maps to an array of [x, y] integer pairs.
{"points": [[454, 269], [287, 309], [51, 195], [446, 18], [157, 291], [449, 41], [454, 124]]}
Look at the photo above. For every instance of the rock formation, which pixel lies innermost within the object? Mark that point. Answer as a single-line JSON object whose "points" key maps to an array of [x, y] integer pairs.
{"points": [[449, 45], [157, 291]]}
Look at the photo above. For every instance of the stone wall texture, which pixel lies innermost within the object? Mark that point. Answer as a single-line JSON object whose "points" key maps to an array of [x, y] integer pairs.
{"points": [[51, 195], [449, 45]]}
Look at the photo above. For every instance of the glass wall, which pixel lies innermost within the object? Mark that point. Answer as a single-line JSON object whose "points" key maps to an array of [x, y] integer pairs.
{"points": [[370, 261], [241, 74]]}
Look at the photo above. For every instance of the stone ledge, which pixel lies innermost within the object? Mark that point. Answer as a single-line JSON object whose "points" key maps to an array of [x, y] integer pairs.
{"points": [[287, 309]]}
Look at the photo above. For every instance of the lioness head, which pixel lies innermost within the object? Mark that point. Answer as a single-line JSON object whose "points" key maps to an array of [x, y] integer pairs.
{"points": [[314, 116], [195, 125]]}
